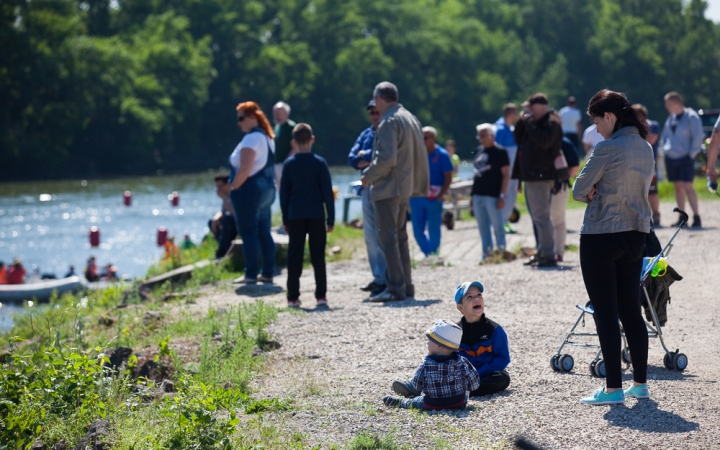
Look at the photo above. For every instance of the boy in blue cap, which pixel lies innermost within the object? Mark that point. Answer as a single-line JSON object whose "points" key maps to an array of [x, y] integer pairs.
{"points": [[484, 342]]}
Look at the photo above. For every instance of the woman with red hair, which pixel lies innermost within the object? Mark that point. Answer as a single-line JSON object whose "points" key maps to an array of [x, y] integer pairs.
{"points": [[252, 180]]}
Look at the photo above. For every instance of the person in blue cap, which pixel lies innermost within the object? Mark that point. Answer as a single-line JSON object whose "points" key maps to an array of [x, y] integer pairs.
{"points": [[484, 342]]}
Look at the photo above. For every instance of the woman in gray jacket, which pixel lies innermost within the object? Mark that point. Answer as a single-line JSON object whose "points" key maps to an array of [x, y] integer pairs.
{"points": [[614, 183]]}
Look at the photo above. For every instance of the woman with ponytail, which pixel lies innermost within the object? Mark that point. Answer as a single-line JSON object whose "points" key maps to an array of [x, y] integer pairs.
{"points": [[252, 180], [614, 183]]}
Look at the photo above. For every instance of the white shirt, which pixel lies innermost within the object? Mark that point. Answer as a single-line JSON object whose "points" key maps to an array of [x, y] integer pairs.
{"points": [[592, 137], [258, 142], [570, 117]]}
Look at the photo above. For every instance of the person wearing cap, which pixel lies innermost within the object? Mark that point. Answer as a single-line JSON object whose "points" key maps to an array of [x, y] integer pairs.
{"points": [[359, 158], [484, 342], [444, 376], [539, 137]]}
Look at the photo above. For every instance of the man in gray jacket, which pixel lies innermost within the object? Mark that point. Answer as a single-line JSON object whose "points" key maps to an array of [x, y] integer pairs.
{"points": [[680, 141], [398, 171]]}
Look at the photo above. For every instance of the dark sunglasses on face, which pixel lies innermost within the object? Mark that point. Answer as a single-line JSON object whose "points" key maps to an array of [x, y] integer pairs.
{"points": [[427, 137], [374, 113], [241, 118]]}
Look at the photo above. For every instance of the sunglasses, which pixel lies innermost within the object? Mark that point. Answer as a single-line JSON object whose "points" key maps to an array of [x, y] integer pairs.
{"points": [[427, 137], [241, 118], [374, 113]]}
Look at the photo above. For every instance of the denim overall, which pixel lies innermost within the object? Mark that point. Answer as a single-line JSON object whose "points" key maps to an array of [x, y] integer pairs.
{"points": [[251, 203]]}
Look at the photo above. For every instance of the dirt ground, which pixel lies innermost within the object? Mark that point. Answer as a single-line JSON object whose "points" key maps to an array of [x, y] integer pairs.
{"points": [[337, 363]]}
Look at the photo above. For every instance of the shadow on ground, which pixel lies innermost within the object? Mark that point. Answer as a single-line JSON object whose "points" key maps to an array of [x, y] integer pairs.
{"points": [[258, 290], [407, 303], [645, 416]]}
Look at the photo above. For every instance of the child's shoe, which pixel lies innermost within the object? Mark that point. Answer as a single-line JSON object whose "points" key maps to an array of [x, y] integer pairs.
{"points": [[322, 302], [403, 388], [392, 402], [641, 391], [600, 397], [294, 303]]}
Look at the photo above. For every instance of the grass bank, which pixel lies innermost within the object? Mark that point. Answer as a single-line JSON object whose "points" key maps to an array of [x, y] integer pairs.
{"points": [[159, 375]]}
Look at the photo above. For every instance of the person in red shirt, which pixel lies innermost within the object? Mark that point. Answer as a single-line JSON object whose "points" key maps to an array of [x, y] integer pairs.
{"points": [[3, 273], [16, 273]]}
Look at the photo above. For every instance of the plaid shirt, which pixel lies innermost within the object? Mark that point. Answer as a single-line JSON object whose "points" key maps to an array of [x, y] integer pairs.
{"points": [[444, 377]]}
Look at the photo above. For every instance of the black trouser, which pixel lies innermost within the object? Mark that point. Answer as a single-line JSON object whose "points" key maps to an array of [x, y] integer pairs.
{"points": [[611, 265], [492, 383], [226, 235], [317, 238]]}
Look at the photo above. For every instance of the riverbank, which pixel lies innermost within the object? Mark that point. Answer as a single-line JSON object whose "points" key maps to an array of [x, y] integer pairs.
{"points": [[166, 368], [212, 364]]}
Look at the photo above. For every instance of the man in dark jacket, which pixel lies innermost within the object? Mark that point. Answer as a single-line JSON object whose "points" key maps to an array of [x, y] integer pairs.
{"points": [[539, 137]]}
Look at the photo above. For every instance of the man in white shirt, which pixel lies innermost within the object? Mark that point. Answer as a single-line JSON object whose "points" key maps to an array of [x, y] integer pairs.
{"points": [[590, 138], [571, 121]]}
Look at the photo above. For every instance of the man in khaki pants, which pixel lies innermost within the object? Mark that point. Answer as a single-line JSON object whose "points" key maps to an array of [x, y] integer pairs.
{"points": [[398, 171]]}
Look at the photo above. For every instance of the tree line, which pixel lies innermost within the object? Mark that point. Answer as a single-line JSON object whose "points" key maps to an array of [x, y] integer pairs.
{"points": [[116, 87]]}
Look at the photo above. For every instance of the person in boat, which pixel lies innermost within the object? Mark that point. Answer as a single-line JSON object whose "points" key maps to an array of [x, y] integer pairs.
{"points": [[3, 273], [171, 250], [187, 243], [91, 272], [16, 273], [109, 272]]}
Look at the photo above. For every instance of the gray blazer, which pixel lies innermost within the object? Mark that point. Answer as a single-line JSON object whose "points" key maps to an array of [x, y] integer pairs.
{"points": [[621, 169], [399, 166]]}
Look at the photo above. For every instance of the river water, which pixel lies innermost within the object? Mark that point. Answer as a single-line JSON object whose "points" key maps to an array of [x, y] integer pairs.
{"points": [[47, 224]]}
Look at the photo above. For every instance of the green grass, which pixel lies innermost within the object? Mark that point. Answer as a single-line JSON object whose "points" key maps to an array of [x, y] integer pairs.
{"points": [[367, 440]]}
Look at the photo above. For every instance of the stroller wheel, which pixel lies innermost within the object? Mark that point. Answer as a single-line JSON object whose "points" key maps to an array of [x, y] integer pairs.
{"points": [[554, 363], [514, 216], [600, 368], [592, 367], [626, 356], [566, 363], [680, 361], [668, 361]]}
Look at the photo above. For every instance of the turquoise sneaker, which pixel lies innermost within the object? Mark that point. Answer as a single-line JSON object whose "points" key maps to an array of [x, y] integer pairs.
{"points": [[600, 397], [641, 391]]}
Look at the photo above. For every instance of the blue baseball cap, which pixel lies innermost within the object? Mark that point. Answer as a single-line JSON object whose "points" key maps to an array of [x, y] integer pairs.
{"points": [[371, 103], [463, 288]]}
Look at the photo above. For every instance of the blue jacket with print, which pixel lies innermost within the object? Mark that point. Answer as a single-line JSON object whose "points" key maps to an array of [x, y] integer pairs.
{"points": [[485, 344]]}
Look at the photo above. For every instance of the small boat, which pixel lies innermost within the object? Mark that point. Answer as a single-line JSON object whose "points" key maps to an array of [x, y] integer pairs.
{"points": [[41, 291]]}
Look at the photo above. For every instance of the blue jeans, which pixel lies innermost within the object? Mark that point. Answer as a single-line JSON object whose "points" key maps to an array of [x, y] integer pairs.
{"points": [[487, 214], [251, 204], [426, 213], [375, 256]]}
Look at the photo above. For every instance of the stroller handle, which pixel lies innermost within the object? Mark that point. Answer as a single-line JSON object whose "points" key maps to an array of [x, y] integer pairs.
{"points": [[683, 217]]}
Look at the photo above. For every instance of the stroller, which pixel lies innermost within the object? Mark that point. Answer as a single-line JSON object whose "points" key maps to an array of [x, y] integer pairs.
{"points": [[654, 297]]}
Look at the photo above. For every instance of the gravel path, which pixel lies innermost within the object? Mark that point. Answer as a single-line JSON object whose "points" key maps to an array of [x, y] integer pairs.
{"points": [[338, 364]]}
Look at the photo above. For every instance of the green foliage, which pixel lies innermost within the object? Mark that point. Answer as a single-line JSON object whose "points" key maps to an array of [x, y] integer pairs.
{"points": [[136, 86], [366, 440], [267, 405], [47, 386]]}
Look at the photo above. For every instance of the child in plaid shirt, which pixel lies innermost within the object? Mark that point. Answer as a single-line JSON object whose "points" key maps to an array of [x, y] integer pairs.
{"points": [[444, 376]]}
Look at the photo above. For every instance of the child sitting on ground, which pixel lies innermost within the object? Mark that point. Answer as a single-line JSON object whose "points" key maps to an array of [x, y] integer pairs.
{"points": [[484, 342], [444, 376], [305, 195]]}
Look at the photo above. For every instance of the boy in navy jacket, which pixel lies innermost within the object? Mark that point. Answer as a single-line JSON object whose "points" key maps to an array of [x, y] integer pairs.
{"points": [[308, 209], [484, 342]]}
